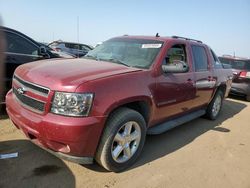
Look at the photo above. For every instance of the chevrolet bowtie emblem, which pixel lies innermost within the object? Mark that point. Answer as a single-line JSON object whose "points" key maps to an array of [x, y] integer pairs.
{"points": [[21, 90]]}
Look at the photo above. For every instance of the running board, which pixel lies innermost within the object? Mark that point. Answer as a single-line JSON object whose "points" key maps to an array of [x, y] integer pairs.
{"points": [[161, 128]]}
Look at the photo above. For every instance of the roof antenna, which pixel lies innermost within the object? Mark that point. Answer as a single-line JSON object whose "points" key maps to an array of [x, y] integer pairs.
{"points": [[157, 35]]}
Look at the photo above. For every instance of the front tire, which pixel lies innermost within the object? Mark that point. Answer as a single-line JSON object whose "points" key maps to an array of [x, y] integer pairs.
{"points": [[122, 140]]}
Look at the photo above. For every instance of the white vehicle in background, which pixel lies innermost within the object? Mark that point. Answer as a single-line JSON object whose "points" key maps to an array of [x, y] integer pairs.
{"points": [[75, 49], [98, 44]]}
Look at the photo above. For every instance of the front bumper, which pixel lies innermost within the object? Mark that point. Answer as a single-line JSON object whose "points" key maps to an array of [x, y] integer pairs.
{"points": [[75, 159], [240, 89], [71, 138]]}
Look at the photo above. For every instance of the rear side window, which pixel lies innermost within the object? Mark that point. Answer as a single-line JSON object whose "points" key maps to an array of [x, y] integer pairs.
{"points": [[200, 58], [18, 44]]}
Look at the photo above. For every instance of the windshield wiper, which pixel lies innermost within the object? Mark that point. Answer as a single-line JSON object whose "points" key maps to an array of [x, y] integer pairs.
{"points": [[110, 59], [116, 61]]}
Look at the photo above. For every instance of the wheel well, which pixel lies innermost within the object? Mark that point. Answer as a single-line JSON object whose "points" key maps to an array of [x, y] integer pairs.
{"points": [[140, 106], [222, 88]]}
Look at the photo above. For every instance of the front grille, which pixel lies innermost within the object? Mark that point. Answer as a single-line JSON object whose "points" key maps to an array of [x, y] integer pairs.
{"points": [[37, 89], [30, 102], [27, 100]]}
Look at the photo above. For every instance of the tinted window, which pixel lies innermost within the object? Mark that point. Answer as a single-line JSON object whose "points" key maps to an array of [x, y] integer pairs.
{"points": [[18, 44], [247, 65], [77, 46], [72, 46], [200, 58]]}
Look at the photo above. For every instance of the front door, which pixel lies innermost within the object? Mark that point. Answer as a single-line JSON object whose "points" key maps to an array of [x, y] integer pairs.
{"points": [[174, 91]]}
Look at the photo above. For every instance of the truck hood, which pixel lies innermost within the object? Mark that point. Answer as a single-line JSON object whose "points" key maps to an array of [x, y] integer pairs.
{"points": [[68, 74]]}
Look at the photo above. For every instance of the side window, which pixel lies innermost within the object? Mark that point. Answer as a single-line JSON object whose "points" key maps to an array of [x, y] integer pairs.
{"points": [[75, 46], [200, 58], [176, 52], [85, 48], [18, 44], [216, 62], [225, 61], [247, 65], [53, 45], [72, 46], [68, 45]]}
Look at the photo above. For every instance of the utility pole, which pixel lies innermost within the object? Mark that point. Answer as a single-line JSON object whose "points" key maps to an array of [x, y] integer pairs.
{"points": [[78, 35]]}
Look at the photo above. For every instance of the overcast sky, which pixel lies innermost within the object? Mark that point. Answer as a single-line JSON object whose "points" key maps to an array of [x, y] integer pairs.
{"points": [[223, 24]]}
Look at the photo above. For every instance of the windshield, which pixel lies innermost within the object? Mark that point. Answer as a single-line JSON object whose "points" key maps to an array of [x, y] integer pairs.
{"points": [[237, 64], [130, 52]]}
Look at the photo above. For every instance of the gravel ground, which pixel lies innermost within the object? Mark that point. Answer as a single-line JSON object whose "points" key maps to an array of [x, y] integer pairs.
{"points": [[200, 153]]}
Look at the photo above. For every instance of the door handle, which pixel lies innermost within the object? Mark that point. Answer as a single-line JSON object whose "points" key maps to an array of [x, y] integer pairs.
{"points": [[210, 78], [189, 80]]}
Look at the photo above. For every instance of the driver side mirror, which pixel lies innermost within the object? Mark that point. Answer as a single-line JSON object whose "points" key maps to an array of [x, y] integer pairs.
{"points": [[176, 66], [42, 51]]}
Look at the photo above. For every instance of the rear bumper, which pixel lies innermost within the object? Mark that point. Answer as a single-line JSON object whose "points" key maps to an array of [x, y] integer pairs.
{"points": [[70, 138], [240, 89]]}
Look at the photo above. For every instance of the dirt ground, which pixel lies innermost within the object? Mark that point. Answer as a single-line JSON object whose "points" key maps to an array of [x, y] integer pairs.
{"points": [[200, 153]]}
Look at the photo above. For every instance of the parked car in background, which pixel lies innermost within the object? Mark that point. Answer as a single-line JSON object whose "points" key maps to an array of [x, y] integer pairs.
{"points": [[102, 106], [60, 54], [21, 49], [76, 49], [241, 71]]}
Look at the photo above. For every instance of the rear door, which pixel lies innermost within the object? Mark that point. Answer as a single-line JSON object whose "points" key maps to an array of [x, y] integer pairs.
{"points": [[204, 80]]}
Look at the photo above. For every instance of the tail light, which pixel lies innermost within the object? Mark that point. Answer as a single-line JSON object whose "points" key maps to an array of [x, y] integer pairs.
{"points": [[58, 49], [244, 74]]}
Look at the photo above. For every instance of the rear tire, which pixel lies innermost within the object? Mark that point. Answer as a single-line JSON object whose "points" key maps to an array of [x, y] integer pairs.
{"points": [[214, 106], [122, 140], [248, 98]]}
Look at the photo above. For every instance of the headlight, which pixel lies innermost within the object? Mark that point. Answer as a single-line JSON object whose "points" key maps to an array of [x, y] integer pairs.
{"points": [[72, 104]]}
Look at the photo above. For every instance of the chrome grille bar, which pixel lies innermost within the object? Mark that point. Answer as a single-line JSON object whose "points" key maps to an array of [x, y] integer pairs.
{"points": [[31, 86]]}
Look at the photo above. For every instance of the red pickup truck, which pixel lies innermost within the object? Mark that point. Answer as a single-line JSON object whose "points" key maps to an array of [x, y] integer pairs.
{"points": [[102, 106]]}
